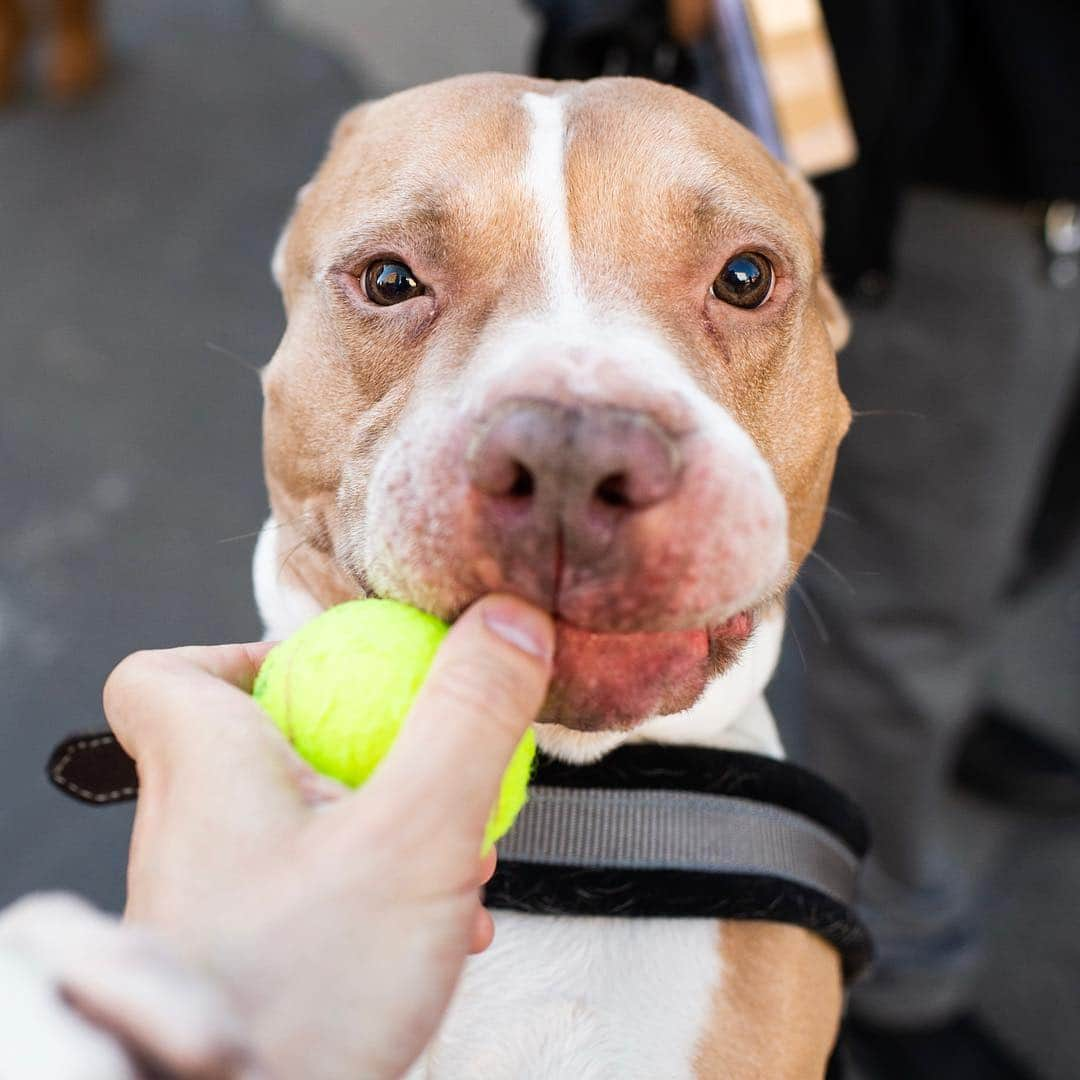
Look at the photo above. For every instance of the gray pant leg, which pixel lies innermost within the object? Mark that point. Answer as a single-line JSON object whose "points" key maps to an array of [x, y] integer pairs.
{"points": [[1034, 669], [977, 345]]}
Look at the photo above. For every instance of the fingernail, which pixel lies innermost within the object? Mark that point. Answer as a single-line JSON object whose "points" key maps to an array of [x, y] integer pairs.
{"points": [[524, 627]]}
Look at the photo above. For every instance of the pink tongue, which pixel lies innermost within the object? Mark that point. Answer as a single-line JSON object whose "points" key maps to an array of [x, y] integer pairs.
{"points": [[618, 680]]}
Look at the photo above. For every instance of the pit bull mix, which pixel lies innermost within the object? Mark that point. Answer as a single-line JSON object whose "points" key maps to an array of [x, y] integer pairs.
{"points": [[572, 341]]}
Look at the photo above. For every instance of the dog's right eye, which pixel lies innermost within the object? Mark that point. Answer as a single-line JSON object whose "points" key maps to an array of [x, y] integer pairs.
{"points": [[745, 282], [388, 282]]}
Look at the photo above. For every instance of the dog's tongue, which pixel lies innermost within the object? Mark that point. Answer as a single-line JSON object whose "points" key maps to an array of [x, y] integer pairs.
{"points": [[604, 681]]}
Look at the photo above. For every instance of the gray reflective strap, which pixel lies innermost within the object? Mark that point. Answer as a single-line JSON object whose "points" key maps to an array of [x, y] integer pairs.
{"points": [[678, 830]]}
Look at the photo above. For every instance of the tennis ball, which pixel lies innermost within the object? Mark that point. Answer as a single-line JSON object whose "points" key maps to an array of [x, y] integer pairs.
{"points": [[340, 688]]}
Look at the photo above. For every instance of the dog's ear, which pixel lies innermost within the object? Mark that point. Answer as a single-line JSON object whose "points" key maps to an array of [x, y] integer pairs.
{"points": [[346, 126], [832, 311], [277, 260]]}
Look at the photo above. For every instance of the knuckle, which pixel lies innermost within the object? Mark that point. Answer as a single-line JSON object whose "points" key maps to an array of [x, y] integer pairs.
{"points": [[130, 683], [119, 683]]}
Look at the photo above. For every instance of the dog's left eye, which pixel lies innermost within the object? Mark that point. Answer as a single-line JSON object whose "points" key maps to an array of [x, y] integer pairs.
{"points": [[746, 280], [388, 282]]}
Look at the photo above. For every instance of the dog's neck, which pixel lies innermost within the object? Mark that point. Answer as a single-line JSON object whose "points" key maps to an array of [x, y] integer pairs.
{"points": [[732, 714]]}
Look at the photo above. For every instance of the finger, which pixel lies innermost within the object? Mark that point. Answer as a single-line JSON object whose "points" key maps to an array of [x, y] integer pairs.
{"points": [[488, 863], [138, 680], [236, 665], [483, 931], [486, 686], [188, 712]]}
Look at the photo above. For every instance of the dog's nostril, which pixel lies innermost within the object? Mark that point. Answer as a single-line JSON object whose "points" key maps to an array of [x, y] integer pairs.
{"points": [[611, 491], [523, 483]]}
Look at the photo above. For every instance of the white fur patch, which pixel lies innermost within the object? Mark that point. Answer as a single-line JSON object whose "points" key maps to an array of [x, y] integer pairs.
{"points": [[282, 608], [732, 714], [588, 999], [277, 260], [545, 178]]}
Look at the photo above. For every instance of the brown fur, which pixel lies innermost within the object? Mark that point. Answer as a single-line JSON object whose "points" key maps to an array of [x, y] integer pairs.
{"points": [[777, 1010]]}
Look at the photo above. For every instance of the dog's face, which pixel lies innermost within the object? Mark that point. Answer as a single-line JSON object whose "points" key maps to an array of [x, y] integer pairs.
{"points": [[570, 341]]}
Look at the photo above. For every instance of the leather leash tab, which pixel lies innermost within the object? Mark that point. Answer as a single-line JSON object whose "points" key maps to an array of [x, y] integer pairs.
{"points": [[93, 768]]}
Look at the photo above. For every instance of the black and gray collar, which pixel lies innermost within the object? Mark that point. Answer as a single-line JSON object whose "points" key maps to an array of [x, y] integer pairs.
{"points": [[648, 832], [668, 831]]}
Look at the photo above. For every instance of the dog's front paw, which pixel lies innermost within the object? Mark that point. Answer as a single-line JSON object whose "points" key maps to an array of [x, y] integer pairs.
{"points": [[84, 997]]}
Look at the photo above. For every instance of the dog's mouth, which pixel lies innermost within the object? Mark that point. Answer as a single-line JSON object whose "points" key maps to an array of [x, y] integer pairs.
{"points": [[612, 681], [609, 681], [605, 680]]}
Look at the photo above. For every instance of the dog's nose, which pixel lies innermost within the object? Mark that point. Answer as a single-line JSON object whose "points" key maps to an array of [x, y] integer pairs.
{"points": [[581, 468]]}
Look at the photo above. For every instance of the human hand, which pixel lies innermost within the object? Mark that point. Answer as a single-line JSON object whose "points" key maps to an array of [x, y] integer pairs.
{"points": [[337, 922]]}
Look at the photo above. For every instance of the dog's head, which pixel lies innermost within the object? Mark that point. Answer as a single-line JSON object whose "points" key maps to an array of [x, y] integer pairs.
{"points": [[570, 341]]}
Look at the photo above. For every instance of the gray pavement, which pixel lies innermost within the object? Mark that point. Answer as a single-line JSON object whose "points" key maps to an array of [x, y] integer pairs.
{"points": [[135, 304]]}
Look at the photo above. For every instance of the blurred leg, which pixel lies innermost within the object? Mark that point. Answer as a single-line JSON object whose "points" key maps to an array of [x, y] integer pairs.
{"points": [[1035, 671], [12, 39], [977, 344], [77, 53]]}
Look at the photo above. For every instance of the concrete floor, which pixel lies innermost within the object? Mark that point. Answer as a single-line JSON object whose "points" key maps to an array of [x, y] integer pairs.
{"points": [[135, 306], [135, 301]]}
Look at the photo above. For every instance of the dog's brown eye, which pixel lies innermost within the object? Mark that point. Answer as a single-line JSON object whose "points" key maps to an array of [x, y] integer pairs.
{"points": [[388, 282], [746, 281]]}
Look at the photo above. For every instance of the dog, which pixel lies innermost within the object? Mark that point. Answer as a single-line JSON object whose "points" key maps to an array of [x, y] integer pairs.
{"points": [[572, 341]]}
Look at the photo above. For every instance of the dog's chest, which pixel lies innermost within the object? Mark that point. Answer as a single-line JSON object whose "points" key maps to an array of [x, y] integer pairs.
{"points": [[589, 998]]}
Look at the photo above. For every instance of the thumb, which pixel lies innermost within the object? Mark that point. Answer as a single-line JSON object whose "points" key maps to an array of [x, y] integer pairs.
{"points": [[488, 681]]}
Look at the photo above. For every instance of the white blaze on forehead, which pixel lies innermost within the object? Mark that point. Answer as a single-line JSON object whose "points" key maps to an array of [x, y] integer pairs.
{"points": [[545, 178]]}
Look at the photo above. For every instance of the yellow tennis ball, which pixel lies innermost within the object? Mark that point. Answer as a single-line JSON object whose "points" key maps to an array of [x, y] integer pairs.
{"points": [[341, 686]]}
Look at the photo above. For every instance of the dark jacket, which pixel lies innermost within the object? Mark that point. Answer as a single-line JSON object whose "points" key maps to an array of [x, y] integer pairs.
{"points": [[980, 96]]}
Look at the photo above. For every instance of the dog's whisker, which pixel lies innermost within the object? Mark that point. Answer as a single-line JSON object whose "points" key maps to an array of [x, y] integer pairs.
{"points": [[810, 553], [798, 644], [255, 532], [244, 536], [291, 552], [812, 611], [827, 509], [843, 515], [840, 576], [862, 414], [213, 346]]}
